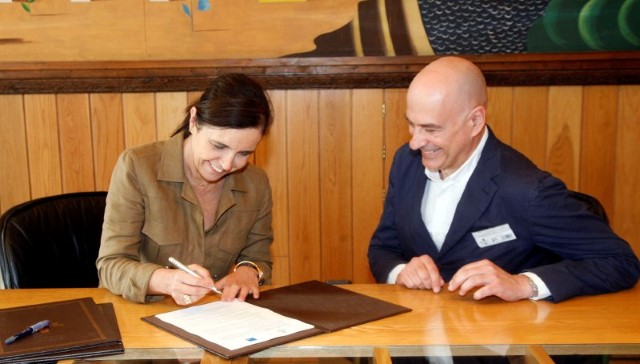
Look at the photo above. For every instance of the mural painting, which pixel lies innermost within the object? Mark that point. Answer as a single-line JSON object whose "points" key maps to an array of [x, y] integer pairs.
{"points": [[84, 30]]}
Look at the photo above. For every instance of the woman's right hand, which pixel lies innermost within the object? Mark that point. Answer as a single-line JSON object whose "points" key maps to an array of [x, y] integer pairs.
{"points": [[184, 288]]}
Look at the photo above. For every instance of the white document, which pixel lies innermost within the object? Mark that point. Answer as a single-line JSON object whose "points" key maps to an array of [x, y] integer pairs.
{"points": [[233, 325]]}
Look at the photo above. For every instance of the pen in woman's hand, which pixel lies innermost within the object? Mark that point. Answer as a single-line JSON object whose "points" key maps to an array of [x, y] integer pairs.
{"points": [[185, 269]]}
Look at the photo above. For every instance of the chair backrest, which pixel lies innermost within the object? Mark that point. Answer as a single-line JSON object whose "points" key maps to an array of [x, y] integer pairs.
{"points": [[592, 204], [52, 241]]}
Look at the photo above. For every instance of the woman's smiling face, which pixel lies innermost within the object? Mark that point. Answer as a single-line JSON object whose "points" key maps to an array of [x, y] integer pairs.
{"points": [[215, 152]]}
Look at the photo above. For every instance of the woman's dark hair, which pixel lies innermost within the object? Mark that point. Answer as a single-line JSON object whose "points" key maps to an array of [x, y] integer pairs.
{"points": [[233, 101]]}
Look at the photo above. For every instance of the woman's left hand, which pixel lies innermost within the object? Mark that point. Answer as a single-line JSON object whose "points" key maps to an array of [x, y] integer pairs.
{"points": [[242, 282]]}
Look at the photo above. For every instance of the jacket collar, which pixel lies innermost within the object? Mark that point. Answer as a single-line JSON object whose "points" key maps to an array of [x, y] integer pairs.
{"points": [[172, 161], [479, 192]]}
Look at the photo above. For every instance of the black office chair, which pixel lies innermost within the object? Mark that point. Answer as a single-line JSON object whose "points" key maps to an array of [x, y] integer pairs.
{"points": [[52, 242]]}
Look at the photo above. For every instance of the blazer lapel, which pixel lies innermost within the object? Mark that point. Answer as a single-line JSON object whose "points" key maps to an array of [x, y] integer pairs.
{"points": [[409, 210], [475, 199], [420, 231]]}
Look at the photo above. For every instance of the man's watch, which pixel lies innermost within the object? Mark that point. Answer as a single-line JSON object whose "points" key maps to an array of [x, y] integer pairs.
{"points": [[254, 266], [534, 286]]}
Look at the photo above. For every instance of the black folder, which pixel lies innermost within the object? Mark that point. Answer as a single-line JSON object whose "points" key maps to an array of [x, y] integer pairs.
{"points": [[79, 328], [328, 308]]}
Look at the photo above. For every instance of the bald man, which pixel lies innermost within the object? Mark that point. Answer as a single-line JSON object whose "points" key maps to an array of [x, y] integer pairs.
{"points": [[464, 208]]}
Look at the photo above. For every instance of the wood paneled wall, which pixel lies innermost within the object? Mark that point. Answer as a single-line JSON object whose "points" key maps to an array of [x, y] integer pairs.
{"points": [[327, 155]]}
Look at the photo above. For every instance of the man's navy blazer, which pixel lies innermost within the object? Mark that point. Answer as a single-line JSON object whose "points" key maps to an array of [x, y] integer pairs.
{"points": [[556, 237]]}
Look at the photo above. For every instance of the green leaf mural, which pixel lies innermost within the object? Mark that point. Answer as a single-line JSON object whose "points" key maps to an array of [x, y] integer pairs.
{"points": [[599, 27], [587, 25], [629, 21]]}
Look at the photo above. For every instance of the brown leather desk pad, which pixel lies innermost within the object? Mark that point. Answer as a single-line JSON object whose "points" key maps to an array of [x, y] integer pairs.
{"points": [[79, 328], [327, 307]]}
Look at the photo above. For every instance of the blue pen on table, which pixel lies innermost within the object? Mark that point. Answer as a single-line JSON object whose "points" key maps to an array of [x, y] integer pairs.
{"points": [[185, 269], [28, 331]]}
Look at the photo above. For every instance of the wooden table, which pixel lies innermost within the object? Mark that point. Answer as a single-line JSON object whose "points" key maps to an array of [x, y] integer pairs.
{"points": [[604, 324]]}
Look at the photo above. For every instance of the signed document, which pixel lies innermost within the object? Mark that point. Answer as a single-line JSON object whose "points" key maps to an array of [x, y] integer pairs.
{"points": [[233, 325], [281, 315]]}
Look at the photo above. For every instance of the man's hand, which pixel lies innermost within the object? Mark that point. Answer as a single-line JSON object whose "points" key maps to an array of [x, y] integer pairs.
{"points": [[490, 280], [421, 273]]}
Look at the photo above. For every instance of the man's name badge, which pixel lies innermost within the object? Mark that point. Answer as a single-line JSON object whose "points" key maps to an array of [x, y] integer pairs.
{"points": [[494, 235]]}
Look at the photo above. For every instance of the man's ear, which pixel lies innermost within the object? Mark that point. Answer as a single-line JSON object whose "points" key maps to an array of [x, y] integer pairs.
{"points": [[478, 118]]}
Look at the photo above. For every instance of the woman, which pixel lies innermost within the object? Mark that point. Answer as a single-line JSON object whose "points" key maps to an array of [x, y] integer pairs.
{"points": [[195, 198]]}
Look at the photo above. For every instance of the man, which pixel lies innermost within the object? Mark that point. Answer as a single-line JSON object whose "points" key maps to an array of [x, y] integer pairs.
{"points": [[467, 209]]}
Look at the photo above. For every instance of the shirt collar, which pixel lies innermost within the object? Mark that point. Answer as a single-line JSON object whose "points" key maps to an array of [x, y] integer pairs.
{"points": [[172, 161]]}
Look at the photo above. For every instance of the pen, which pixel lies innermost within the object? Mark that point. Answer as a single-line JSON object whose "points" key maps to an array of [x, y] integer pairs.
{"points": [[28, 331], [185, 269]]}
